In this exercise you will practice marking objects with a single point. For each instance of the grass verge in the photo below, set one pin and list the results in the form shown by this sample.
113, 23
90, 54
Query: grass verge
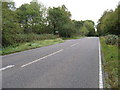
110, 64
29, 45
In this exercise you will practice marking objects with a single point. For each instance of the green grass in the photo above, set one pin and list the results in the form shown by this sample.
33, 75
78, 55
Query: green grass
110, 65
34, 44
29, 45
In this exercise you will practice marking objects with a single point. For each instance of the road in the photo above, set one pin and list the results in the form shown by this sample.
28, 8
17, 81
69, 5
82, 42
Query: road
72, 64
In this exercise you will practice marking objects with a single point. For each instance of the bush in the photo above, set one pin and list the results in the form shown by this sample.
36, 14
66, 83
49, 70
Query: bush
20, 38
111, 39
31, 37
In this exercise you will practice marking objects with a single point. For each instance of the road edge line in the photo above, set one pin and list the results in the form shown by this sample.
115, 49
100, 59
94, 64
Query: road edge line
100, 68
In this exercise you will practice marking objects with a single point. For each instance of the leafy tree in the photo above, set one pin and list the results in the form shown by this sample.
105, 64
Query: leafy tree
10, 25
67, 30
32, 17
84, 31
101, 27
35, 18
109, 22
57, 17
78, 26
90, 27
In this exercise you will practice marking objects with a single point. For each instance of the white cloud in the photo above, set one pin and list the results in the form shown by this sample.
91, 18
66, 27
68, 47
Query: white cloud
80, 9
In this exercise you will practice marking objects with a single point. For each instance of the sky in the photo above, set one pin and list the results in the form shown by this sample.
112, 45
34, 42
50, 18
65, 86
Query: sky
80, 9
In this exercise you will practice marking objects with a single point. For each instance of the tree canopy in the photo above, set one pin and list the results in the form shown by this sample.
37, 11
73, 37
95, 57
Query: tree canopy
109, 22
36, 18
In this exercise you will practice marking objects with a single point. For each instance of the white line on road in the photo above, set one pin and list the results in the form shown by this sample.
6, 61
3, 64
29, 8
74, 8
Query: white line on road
4, 68
100, 69
74, 44
42, 58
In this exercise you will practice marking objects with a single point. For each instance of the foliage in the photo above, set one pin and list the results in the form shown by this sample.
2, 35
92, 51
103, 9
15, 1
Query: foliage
34, 21
111, 39
109, 22
59, 20
67, 30
110, 64
21, 38
10, 25
84, 31
32, 17
108, 26
90, 27
85, 28
77, 26
29, 45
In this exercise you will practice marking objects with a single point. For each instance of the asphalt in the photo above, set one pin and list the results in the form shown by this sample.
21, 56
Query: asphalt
72, 64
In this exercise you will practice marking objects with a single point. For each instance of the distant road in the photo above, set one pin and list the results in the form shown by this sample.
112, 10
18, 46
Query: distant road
72, 64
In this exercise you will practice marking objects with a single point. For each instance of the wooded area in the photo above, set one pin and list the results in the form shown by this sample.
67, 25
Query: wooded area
30, 21
109, 23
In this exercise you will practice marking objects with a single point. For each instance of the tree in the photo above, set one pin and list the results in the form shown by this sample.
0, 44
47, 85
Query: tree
90, 27
59, 18
32, 17
67, 30
78, 26
109, 22
84, 31
10, 25
36, 19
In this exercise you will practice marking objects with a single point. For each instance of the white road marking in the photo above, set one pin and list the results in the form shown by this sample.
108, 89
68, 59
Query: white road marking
42, 58
74, 44
100, 69
4, 68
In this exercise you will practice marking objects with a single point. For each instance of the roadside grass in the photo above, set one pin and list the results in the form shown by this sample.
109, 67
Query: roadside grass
29, 45
34, 44
110, 64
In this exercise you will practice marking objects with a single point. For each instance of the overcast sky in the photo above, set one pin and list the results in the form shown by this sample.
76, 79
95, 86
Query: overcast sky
80, 9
